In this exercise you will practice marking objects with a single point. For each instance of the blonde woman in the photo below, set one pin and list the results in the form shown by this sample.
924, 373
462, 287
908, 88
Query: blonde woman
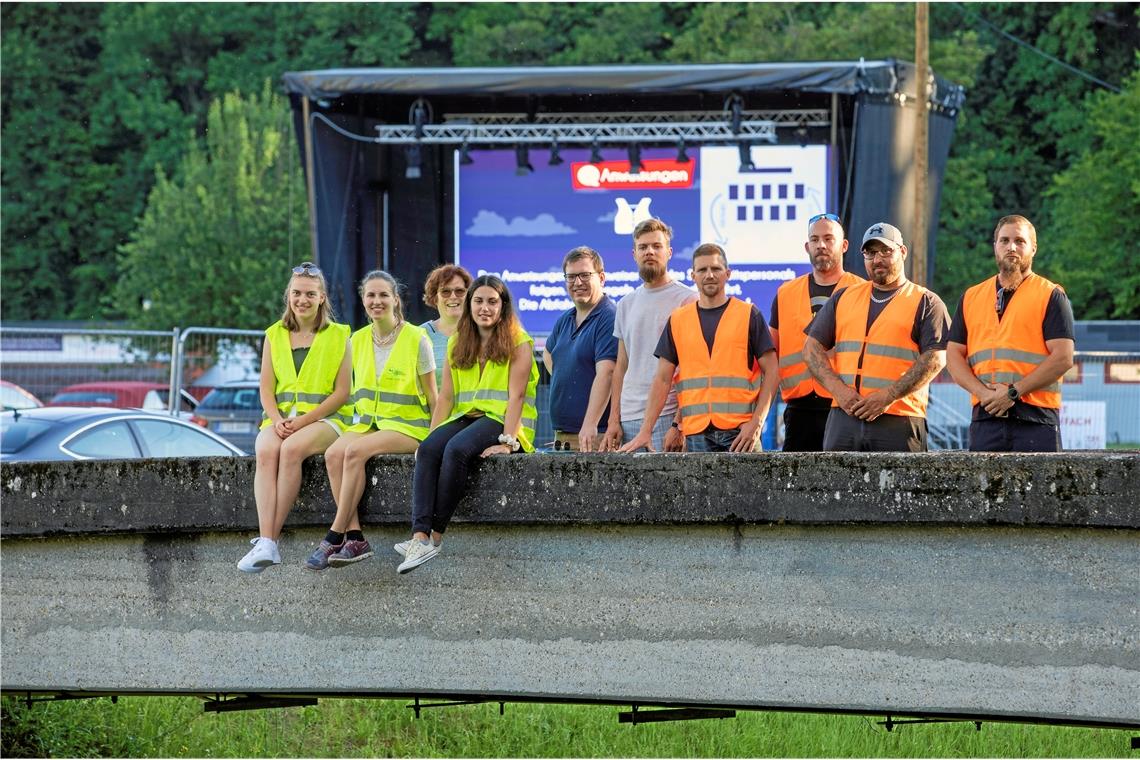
394, 391
305, 378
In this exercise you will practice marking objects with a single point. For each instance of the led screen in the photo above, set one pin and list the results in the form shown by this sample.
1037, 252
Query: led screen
519, 226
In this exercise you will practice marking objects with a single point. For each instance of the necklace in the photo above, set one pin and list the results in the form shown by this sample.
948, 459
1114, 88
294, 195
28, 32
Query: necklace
387, 339
884, 300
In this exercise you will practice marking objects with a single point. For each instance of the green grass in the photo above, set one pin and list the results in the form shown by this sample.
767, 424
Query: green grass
178, 727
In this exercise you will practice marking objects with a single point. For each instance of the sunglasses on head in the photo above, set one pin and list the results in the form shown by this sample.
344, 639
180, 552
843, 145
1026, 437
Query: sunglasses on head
307, 267
817, 217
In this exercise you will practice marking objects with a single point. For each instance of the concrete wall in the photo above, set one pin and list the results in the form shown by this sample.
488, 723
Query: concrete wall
1001, 586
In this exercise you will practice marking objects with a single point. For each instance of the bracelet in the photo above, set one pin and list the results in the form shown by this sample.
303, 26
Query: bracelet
510, 441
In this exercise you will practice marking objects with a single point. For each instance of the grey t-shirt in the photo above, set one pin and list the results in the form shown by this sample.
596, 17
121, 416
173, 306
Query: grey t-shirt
641, 316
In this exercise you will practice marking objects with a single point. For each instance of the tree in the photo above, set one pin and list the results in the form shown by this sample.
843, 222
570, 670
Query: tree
214, 244
1090, 242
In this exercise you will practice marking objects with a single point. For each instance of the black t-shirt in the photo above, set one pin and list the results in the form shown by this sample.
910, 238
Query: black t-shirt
759, 339
817, 297
1058, 323
931, 320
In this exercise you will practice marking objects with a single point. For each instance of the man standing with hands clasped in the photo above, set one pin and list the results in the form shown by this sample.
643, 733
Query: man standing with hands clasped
722, 353
1010, 354
889, 336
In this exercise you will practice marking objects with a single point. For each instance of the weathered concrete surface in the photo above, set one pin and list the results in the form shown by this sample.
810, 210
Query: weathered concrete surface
1070, 489
1009, 622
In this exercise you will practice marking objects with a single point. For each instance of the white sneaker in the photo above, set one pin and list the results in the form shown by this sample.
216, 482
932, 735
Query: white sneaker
263, 554
402, 547
417, 554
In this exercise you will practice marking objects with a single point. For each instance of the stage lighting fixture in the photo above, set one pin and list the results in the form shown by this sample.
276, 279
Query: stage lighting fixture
555, 158
415, 159
735, 106
522, 161
465, 157
634, 152
682, 156
746, 164
596, 153
802, 135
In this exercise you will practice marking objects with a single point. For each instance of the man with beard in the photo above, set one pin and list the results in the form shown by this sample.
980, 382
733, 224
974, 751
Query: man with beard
724, 360
580, 355
640, 317
1011, 354
794, 307
889, 336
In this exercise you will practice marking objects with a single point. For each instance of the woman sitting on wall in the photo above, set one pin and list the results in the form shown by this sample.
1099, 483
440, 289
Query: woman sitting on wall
486, 406
305, 377
444, 290
393, 388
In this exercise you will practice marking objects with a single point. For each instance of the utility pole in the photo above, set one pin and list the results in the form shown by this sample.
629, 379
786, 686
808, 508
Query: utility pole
918, 253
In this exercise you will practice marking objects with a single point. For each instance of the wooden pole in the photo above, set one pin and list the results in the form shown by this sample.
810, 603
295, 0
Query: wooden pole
310, 182
918, 251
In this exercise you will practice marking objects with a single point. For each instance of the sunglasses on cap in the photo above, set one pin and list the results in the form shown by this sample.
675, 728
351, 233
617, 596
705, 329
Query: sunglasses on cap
817, 217
308, 268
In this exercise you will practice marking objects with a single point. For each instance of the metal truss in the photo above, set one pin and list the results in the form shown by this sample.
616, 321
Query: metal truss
565, 134
803, 117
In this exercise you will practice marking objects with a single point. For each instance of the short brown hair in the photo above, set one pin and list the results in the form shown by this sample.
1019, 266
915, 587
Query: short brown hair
652, 225
583, 252
1017, 219
439, 277
710, 249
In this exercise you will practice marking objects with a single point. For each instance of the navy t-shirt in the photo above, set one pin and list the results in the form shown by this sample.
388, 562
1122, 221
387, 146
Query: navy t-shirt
575, 351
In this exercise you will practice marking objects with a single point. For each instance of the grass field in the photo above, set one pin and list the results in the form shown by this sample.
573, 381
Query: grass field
178, 727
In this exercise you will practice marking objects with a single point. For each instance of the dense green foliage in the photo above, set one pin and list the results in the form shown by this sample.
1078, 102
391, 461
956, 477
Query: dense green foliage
96, 98
178, 727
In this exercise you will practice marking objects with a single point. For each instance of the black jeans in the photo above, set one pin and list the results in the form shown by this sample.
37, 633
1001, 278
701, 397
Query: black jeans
442, 463
1010, 434
888, 432
803, 427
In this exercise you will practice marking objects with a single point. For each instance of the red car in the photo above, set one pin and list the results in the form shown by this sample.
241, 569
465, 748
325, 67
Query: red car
120, 394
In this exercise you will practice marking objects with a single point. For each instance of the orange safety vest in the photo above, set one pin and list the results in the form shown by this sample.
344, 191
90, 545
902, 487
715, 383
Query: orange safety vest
1005, 351
887, 350
720, 387
793, 304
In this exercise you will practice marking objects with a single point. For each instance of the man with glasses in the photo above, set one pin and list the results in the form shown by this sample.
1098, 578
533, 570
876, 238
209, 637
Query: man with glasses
1011, 354
889, 341
794, 307
641, 316
580, 355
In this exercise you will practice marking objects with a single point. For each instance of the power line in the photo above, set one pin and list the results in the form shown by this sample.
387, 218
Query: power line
1039, 52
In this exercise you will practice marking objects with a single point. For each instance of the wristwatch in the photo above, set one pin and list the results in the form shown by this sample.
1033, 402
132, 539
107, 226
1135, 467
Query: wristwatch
675, 425
1012, 393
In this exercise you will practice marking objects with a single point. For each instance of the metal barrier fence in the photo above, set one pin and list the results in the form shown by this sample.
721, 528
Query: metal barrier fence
1103, 389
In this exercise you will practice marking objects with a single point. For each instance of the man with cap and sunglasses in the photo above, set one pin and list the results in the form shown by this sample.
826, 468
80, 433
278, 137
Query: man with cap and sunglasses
793, 309
889, 341
1011, 354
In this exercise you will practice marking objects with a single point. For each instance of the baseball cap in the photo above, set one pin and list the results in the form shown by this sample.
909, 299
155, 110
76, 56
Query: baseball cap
884, 233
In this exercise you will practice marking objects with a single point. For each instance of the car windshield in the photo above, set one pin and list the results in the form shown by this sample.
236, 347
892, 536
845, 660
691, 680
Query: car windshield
231, 398
16, 432
88, 398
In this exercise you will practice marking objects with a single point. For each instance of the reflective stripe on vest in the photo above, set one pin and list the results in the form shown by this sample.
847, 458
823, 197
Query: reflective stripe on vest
887, 350
718, 387
305, 390
489, 392
395, 400
1006, 351
793, 306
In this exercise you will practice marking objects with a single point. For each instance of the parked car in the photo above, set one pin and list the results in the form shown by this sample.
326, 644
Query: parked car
121, 394
13, 396
61, 433
233, 411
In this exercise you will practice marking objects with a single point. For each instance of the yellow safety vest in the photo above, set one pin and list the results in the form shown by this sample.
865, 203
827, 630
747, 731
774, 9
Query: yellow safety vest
305, 390
488, 392
394, 401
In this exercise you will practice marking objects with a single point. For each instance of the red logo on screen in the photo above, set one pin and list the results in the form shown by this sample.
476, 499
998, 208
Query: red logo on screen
656, 173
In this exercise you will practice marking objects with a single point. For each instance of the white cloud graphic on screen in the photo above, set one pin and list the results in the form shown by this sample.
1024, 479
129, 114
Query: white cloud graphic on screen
489, 224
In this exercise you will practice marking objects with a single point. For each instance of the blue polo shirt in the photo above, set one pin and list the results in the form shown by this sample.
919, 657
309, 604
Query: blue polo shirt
575, 350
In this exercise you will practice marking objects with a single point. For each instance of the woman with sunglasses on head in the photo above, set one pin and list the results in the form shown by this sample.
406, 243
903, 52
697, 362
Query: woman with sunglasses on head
305, 378
393, 388
486, 407
444, 291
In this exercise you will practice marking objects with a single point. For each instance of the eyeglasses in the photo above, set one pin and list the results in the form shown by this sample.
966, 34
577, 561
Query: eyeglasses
308, 268
872, 255
817, 217
452, 292
582, 277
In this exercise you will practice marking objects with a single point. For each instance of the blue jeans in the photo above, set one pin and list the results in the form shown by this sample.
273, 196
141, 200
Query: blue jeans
630, 428
715, 439
443, 462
